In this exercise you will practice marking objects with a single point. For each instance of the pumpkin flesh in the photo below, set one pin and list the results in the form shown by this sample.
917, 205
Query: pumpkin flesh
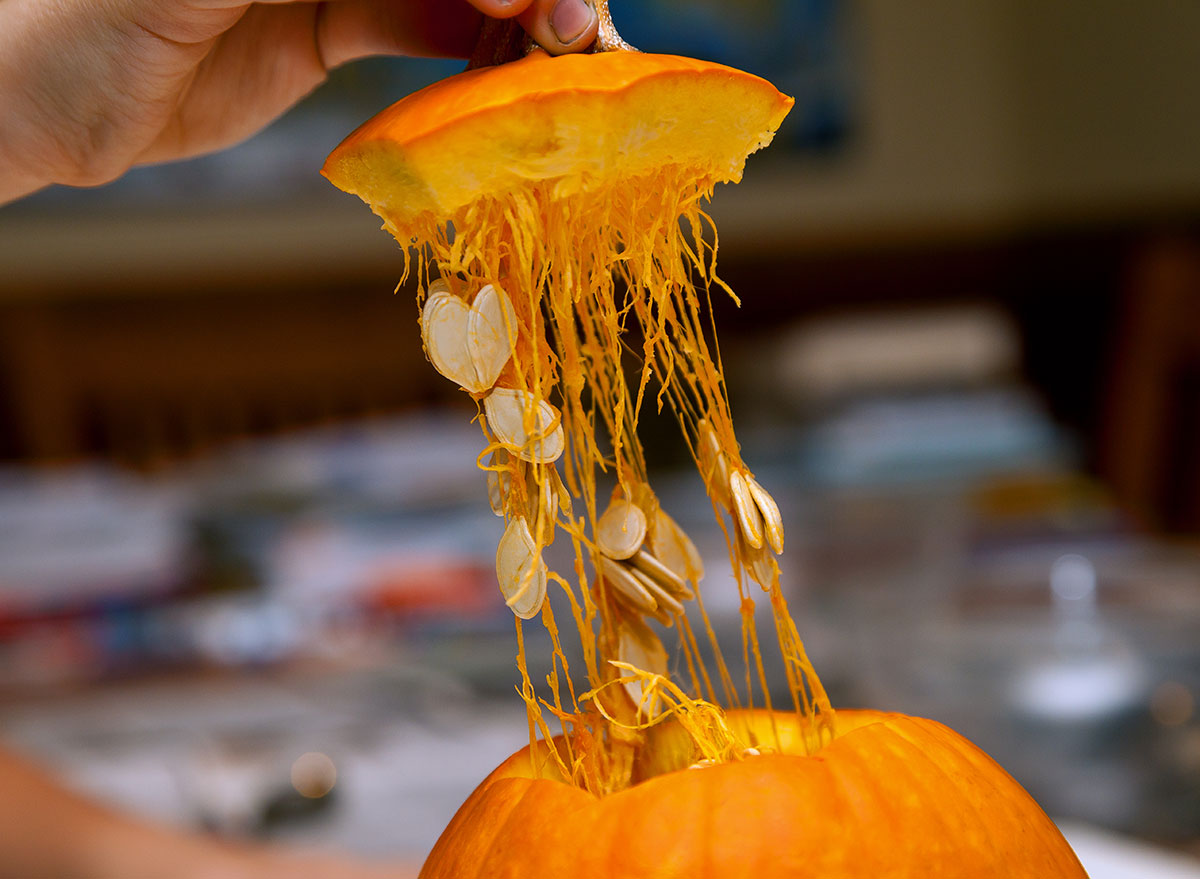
577, 121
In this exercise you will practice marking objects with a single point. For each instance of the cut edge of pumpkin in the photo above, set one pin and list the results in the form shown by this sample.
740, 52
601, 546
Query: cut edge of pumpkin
668, 748
704, 117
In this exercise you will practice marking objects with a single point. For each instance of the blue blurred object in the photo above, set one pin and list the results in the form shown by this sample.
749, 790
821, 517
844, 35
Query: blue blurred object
934, 436
800, 45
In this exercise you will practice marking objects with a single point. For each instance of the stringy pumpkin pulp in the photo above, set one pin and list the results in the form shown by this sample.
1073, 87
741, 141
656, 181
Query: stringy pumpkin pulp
551, 210
576, 185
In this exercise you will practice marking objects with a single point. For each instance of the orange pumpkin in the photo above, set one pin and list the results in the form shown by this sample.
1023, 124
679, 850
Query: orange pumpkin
544, 177
581, 121
890, 796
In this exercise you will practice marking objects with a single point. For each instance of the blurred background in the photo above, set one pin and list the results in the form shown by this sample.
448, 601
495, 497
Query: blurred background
246, 560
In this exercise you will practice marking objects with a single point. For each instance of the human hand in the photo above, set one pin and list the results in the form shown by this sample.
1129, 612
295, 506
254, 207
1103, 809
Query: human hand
227, 861
48, 830
88, 89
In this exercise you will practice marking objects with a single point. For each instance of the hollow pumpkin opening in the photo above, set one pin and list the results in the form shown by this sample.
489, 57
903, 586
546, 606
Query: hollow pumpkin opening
890, 795
670, 746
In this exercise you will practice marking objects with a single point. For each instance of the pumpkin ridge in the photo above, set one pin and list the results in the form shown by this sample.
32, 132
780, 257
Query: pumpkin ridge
1004, 788
466, 821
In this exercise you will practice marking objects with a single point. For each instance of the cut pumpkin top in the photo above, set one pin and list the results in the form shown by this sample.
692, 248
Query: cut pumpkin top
582, 121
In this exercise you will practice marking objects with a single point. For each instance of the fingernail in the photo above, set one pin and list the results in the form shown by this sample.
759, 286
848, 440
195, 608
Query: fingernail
569, 19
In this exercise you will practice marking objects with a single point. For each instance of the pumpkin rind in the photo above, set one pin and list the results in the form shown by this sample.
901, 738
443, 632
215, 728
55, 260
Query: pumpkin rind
891, 796
577, 119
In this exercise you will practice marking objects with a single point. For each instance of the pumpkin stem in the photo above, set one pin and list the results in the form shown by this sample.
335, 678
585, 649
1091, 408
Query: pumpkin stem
607, 38
500, 40
504, 40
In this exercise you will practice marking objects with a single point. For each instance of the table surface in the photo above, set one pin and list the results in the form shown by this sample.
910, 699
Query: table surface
1108, 856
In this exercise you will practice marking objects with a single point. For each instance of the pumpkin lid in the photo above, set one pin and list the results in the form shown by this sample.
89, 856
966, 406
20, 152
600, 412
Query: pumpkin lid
582, 121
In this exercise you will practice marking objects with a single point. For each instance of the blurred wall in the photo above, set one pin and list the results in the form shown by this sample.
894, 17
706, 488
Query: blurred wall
978, 125
997, 113
1108, 101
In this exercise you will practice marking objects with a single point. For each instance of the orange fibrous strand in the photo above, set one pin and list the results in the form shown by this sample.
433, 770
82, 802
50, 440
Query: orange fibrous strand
703, 721
587, 272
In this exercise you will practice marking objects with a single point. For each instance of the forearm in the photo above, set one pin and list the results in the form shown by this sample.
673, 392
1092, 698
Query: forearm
48, 831
16, 179
71, 93
14, 184
51, 833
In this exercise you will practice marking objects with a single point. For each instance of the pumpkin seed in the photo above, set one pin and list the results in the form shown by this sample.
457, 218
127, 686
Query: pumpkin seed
491, 334
621, 531
644, 563
627, 586
444, 331
468, 344
714, 466
641, 648
663, 599
748, 517
772, 520
509, 411
520, 570
543, 501
672, 547
759, 562
499, 482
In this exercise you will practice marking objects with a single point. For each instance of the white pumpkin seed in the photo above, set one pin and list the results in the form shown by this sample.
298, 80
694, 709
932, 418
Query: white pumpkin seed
499, 482
714, 466
772, 520
509, 411
760, 563
641, 648
444, 331
667, 579
746, 510
627, 586
491, 333
543, 499
664, 601
670, 545
520, 570
621, 531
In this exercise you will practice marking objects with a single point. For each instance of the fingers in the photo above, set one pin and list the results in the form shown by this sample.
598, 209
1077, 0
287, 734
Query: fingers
501, 8
351, 29
560, 26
